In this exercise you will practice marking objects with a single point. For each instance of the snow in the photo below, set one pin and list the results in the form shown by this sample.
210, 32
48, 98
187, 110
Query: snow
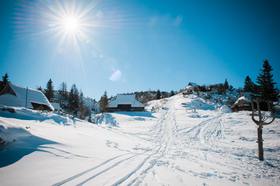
225, 109
125, 99
170, 144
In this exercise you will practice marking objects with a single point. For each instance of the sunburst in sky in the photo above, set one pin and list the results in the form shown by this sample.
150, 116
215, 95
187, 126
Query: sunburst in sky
123, 46
70, 21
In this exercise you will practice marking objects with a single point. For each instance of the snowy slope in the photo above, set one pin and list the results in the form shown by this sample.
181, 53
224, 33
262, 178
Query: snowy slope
173, 145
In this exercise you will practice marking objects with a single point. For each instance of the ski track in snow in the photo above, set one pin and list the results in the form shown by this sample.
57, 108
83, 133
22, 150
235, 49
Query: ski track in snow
202, 145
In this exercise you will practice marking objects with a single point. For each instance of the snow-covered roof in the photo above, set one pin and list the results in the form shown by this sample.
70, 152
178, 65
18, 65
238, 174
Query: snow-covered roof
32, 96
242, 98
125, 99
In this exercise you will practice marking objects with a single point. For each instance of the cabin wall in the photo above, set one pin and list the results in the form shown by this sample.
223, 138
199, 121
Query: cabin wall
116, 109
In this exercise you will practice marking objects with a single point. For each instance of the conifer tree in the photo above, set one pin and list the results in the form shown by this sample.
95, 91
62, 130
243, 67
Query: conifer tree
103, 102
158, 94
5, 78
40, 88
249, 85
63, 95
266, 85
226, 85
49, 92
82, 108
73, 100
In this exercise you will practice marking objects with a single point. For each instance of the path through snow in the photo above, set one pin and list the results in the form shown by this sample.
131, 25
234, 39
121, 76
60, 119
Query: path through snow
174, 147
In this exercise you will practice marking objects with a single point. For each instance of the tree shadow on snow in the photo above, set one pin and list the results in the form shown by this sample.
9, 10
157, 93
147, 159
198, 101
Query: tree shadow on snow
19, 144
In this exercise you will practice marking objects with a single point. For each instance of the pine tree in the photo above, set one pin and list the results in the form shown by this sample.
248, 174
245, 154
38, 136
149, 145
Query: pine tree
63, 95
249, 85
49, 92
266, 85
172, 93
73, 100
158, 94
5, 79
82, 108
226, 85
40, 88
103, 102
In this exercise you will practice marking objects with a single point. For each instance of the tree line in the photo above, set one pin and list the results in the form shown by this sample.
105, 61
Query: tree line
72, 101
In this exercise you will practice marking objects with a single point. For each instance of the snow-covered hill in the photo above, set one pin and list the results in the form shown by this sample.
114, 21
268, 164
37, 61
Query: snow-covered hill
178, 141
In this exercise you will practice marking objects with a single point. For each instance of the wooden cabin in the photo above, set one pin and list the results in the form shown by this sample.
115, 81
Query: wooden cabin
16, 96
242, 103
125, 102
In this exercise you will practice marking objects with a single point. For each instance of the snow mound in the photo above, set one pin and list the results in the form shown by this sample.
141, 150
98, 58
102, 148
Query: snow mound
199, 104
156, 105
105, 119
11, 134
28, 114
225, 109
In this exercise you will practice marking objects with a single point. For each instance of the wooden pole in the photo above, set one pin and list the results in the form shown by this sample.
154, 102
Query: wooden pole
260, 143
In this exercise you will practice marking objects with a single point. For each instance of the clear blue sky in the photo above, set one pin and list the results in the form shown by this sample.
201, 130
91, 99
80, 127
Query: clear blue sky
141, 44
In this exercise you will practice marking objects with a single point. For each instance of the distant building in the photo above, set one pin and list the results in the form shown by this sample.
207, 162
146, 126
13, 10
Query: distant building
190, 88
242, 103
12, 95
125, 102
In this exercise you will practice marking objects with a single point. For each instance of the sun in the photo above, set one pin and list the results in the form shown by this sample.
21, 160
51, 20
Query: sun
69, 21
70, 24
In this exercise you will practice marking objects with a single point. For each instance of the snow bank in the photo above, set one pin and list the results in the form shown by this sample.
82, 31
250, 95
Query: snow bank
28, 114
11, 134
225, 109
105, 119
199, 104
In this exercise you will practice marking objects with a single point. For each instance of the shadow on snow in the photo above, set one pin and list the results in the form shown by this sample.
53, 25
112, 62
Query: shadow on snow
22, 144
137, 114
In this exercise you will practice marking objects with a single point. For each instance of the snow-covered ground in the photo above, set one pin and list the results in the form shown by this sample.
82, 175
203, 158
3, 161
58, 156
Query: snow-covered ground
184, 141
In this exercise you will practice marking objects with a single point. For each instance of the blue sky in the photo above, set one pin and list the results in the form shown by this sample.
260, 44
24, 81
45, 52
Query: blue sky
141, 44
